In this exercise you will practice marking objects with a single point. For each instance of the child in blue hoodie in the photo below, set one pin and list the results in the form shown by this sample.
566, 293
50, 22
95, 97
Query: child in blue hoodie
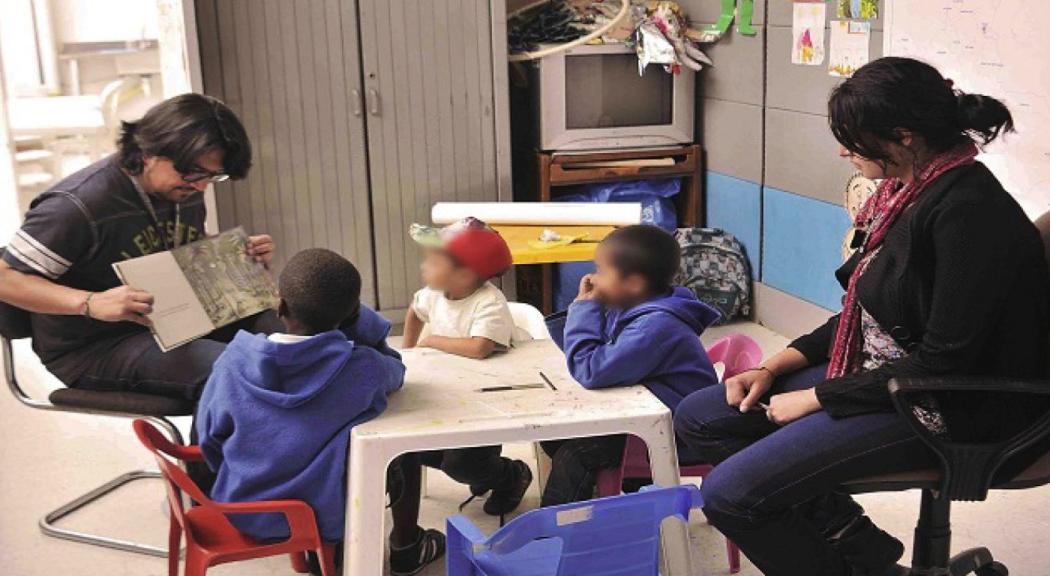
275, 417
628, 325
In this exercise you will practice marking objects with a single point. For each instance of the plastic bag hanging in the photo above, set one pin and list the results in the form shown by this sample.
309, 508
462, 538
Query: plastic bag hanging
661, 37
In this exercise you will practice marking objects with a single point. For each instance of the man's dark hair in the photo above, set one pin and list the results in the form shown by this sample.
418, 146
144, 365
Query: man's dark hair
320, 288
647, 251
181, 129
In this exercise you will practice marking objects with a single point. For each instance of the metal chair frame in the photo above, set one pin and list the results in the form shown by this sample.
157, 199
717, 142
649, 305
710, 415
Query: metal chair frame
48, 522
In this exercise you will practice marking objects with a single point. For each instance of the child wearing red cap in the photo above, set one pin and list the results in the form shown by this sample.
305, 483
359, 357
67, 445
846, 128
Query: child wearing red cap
463, 313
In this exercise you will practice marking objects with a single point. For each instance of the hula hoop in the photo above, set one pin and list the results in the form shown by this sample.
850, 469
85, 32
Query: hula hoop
625, 6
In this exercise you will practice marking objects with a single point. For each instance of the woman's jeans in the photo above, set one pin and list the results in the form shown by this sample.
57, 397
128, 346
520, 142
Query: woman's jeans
772, 490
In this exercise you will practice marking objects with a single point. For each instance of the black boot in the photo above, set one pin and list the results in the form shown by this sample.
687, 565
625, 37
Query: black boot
476, 491
506, 497
866, 548
870, 550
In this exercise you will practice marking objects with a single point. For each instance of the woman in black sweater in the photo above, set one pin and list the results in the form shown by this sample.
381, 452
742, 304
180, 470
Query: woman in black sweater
949, 278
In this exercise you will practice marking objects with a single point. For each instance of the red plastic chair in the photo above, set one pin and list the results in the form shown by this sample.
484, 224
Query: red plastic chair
210, 537
738, 353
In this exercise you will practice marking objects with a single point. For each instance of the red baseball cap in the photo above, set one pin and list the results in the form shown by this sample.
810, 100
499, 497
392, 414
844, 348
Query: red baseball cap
471, 242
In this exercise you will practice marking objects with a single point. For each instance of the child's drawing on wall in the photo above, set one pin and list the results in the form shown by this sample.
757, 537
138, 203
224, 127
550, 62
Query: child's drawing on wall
808, 33
858, 9
849, 47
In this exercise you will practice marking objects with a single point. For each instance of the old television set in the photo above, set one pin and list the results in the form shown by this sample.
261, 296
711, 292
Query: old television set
592, 98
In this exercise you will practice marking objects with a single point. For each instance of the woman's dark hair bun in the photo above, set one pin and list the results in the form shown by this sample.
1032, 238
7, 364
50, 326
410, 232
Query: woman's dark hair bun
984, 117
894, 94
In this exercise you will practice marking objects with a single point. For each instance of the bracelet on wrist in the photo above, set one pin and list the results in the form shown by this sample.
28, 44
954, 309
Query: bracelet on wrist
86, 312
759, 368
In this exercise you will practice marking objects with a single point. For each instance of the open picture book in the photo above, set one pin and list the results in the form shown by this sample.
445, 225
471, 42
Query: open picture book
200, 287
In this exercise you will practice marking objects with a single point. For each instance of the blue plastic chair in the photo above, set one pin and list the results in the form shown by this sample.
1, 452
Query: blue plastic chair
616, 536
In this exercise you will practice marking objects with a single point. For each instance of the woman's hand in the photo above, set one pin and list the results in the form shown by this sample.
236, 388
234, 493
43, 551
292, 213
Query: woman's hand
790, 406
260, 248
744, 389
121, 304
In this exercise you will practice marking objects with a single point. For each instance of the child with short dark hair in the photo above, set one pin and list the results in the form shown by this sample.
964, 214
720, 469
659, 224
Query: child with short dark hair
275, 418
628, 325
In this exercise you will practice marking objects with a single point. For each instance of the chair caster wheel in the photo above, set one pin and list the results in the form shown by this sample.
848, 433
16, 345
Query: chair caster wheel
993, 569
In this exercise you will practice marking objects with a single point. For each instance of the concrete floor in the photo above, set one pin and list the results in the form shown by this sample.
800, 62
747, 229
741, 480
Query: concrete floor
48, 458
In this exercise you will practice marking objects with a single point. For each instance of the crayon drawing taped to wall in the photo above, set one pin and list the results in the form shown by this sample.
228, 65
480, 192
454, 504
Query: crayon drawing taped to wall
807, 32
858, 9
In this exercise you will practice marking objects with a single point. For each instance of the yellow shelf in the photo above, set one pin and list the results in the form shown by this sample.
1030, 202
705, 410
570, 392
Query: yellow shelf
518, 238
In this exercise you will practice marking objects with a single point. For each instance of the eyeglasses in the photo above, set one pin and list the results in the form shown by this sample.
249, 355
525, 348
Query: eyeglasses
198, 174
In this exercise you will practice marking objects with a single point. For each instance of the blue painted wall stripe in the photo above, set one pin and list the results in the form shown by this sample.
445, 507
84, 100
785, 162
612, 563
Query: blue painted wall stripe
735, 205
802, 246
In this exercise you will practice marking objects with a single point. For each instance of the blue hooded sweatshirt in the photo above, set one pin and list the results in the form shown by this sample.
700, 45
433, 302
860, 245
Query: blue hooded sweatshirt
656, 343
275, 418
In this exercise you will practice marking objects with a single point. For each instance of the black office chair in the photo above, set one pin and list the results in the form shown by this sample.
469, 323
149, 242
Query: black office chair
14, 325
966, 470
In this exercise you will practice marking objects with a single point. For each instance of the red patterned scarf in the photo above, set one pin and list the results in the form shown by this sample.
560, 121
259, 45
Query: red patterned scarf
877, 215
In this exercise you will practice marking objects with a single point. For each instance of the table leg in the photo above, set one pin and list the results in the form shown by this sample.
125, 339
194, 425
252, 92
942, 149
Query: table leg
663, 458
365, 506
663, 455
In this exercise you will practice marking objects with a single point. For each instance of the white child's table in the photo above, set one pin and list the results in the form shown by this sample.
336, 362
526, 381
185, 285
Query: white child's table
440, 407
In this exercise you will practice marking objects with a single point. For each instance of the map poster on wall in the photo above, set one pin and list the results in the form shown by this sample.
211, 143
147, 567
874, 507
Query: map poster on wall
807, 33
848, 47
997, 48
199, 287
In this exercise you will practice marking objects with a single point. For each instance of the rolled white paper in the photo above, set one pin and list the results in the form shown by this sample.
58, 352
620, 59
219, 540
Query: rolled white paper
540, 213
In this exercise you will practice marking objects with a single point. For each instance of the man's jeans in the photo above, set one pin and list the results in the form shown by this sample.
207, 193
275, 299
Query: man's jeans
763, 491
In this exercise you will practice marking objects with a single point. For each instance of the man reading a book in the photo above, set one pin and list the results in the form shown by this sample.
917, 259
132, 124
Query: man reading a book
88, 329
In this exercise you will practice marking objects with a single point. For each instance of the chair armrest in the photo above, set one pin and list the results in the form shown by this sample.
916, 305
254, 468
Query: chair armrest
298, 514
968, 469
187, 453
968, 384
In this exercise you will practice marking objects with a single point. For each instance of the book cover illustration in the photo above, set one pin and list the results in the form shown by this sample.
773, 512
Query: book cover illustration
229, 284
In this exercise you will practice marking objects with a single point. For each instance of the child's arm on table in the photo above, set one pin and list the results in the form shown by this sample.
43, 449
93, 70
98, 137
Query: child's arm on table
367, 328
393, 375
490, 327
413, 328
385, 376
595, 363
477, 347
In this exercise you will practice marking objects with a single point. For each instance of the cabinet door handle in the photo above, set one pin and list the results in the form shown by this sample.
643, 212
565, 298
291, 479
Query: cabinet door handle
373, 102
355, 97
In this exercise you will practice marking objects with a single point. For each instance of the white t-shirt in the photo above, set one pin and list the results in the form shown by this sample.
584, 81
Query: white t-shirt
484, 313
